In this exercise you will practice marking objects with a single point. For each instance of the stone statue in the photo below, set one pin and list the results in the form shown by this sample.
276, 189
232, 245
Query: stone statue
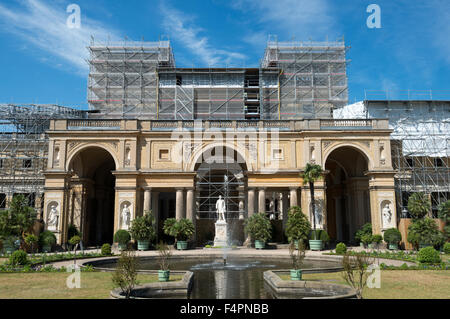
53, 217
241, 210
221, 209
387, 216
125, 217
318, 214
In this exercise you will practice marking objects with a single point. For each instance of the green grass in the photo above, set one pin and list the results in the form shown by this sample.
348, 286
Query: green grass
94, 285
398, 284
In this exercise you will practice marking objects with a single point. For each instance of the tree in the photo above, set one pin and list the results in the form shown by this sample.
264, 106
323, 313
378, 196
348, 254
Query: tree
125, 276
297, 226
312, 173
444, 215
418, 205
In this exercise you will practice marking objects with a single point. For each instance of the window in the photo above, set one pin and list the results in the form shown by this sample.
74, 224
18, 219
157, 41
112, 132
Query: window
27, 163
277, 154
164, 154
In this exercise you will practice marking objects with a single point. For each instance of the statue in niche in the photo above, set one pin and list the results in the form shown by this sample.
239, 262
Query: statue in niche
126, 214
241, 210
318, 213
53, 217
387, 216
221, 209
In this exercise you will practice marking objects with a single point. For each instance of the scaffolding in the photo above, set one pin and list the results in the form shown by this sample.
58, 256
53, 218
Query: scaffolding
123, 77
311, 82
24, 149
420, 143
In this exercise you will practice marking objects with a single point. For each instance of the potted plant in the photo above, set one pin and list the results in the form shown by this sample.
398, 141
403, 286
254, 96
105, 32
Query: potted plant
312, 173
366, 239
182, 230
122, 237
259, 228
164, 254
376, 241
297, 225
392, 237
320, 234
143, 231
297, 259
365, 229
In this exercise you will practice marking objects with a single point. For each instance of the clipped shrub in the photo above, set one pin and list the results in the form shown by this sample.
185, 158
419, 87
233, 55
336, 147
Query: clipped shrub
297, 225
447, 248
106, 249
258, 226
428, 255
47, 238
392, 236
75, 240
341, 249
377, 239
366, 229
320, 234
122, 237
18, 258
366, 239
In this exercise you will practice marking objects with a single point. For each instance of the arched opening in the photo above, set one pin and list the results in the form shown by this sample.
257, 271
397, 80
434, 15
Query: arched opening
91, 206
220, 172
348, 200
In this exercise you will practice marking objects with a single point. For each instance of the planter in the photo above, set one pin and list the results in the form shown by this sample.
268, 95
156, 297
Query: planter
143, 244
393, 246
46, 248
370, 246
163, 275
181, 245
296, 274
315, 244
259, 244
122, 246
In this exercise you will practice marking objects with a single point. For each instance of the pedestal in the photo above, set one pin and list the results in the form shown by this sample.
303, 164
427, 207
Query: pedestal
221, 238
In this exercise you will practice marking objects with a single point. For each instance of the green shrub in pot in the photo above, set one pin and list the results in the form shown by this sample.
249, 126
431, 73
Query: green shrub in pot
259, 228
142, 230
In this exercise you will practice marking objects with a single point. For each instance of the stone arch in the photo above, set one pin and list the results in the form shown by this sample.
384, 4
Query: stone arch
199, 151
79, 148
363, 150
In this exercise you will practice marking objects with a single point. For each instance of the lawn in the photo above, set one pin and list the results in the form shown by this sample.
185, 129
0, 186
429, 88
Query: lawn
94, 285
399, 284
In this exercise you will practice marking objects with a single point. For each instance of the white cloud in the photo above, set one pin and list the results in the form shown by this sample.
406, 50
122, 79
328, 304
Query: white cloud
45, 27
302, 19
182, 28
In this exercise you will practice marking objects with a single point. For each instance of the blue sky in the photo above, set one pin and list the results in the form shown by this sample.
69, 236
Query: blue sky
43, 61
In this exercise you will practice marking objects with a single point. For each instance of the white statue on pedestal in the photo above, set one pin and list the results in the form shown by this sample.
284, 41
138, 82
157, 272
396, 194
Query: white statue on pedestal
53, 217
241, 210
125, 217
387, 216
221, 209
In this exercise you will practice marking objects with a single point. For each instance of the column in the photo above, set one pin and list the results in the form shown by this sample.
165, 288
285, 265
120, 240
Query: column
293, 196
284, 207
147, 199
190, 205
179, 208
262, 200
251, 202
156, 214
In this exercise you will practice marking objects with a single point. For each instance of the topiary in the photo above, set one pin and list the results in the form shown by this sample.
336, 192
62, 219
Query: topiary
377, 239
47, 238
122, 237
18, 258
75, 240
366, 229
297, 225
447, 248
366, 239
428, 255
341, 249
72, 231
258, 226
321, 234
392, 236
106, 249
